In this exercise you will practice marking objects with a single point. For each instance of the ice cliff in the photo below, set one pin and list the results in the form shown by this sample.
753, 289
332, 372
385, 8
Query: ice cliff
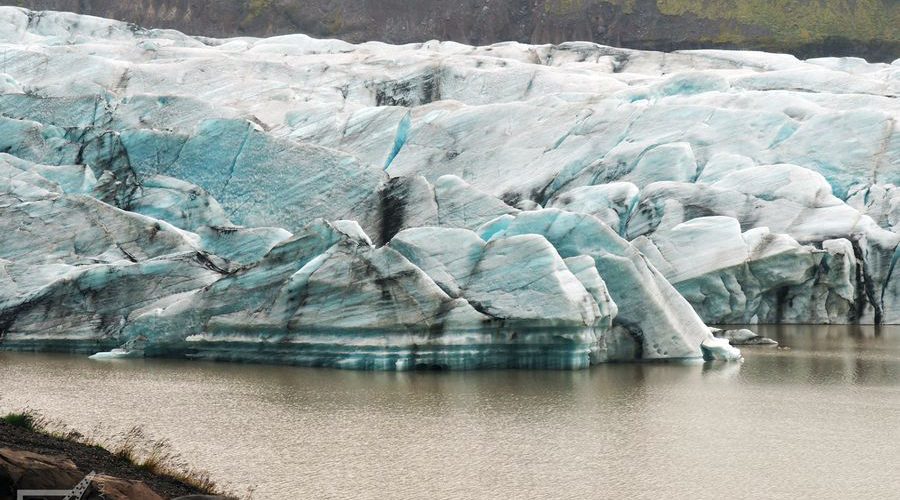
432, 205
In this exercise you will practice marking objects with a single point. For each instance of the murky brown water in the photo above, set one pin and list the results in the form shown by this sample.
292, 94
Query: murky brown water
821, 420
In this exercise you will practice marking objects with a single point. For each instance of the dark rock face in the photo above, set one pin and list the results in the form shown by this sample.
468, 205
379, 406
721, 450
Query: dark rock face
33, 460
807, 28
23, 470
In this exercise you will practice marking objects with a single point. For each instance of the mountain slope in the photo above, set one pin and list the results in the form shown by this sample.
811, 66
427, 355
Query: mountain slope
807, 28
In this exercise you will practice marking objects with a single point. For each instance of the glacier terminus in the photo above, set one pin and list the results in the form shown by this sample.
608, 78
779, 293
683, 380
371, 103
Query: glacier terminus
433, 205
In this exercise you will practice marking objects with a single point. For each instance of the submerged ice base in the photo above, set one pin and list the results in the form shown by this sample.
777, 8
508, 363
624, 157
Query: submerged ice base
560, 350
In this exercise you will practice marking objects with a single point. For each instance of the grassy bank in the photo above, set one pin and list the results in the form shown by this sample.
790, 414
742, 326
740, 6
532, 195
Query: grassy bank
130, 455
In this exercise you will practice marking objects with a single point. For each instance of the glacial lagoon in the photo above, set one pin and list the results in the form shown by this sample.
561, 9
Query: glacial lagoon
819, 419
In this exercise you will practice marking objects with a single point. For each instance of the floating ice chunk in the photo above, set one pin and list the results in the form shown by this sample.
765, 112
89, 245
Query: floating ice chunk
131, 349
115, 354
741, 336
716, 349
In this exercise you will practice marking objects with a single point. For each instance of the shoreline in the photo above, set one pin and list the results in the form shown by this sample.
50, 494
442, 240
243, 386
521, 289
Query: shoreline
31, 457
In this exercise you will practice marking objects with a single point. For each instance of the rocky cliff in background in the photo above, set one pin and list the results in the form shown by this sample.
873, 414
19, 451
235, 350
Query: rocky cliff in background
807, 28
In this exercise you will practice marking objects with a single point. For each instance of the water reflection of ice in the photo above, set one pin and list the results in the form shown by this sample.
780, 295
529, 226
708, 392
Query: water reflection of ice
612, 431
722, 369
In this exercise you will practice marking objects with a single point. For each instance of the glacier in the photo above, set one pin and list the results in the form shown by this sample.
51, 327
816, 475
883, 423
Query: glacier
433, 205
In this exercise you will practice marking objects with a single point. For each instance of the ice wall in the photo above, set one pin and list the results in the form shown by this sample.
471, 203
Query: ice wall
376, 206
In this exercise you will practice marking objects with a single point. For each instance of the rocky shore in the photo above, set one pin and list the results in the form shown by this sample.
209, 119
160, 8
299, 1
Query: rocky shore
34, 460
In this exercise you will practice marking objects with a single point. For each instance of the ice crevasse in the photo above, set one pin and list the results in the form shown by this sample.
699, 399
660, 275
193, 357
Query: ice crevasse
432, 205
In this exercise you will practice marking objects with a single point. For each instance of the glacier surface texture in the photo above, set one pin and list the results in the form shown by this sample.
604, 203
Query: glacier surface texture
433, 205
